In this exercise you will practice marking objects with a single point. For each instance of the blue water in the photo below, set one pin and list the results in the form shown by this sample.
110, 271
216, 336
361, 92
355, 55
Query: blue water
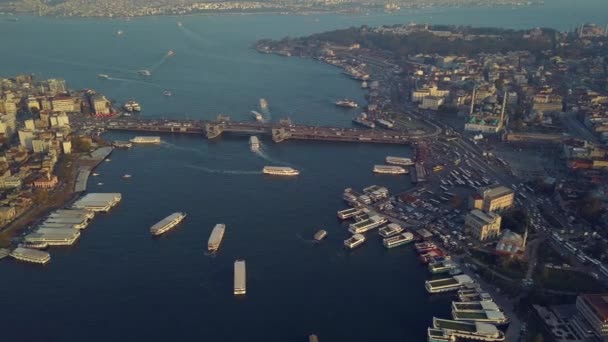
119, 284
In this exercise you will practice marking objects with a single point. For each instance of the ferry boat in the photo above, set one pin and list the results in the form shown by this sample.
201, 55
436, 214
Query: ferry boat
363, 121
398, 240
441, 266
146, 140
423, 247
389, 169
257, 116
122, 144
263, 104
31, 255
240, 278
385, 123
103, 76
468, 331
132, 106
320, 235
95, 174
399, 161
485, 316
254, 143
372, 222
475, 306
364, 85
144, 72
167, 93
354, 241
475, 295
167, 223
390, 230
34, 245
54, 236
346, 103
215, 239
280, 171
429, 256
447, 284
348, 213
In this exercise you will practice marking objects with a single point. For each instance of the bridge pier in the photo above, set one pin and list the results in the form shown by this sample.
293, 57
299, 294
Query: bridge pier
280, 134
213, 130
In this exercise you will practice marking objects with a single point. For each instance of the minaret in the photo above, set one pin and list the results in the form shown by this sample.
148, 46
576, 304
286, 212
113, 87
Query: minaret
502, 111
523, 247
473, 101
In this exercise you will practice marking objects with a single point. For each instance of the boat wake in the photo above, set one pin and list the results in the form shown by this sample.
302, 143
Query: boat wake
158, 64
211, 254
308, 241
223, 172
260, 152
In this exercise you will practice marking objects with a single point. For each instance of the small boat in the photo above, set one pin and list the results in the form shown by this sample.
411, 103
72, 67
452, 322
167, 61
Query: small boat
108, 160
95, 174
320, 235
103, 76
179, 24
100, 183
144, 72
167, 93
126, 176
119, 32
170, 53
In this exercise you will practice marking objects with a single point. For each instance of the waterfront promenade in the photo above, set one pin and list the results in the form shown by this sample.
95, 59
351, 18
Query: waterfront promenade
281, 131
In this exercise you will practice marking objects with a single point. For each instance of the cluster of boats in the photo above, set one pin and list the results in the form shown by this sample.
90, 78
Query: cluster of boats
397, 166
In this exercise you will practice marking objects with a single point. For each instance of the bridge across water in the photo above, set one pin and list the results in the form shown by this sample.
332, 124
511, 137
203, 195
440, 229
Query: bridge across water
281, 131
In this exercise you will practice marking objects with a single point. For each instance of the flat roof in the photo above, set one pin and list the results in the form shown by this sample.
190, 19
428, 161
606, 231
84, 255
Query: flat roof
496, 191
599, 303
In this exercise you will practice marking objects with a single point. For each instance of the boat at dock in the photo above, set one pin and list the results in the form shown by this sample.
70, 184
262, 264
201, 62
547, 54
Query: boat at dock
372, 222
390, 169
441, 266
390, 230
346, 103
240, 278
354, 241
34, 245
215, 239
257, 116
423, 247
385, 123
254, 143
122, 144
398, 240
448, 284
320, 235
348, 213
145, 140
167, 223
399, 161
469, 331
31, 255
364, 121
280, 171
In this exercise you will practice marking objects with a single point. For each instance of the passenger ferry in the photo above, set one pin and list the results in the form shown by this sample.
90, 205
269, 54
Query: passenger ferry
424, 247
280, 171
398, 240
31, 255
215, 239
240, 278
354, 241
389, 169
34, 245
390, 230
441, 266
320, 235
385, 123
348, 213
346, 103
167, 223
254, 143
447, 284
488, 313
468, 331
372, 222
145, 140
399, 161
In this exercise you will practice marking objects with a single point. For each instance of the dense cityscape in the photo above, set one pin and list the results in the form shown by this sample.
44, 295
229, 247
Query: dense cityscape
504, 199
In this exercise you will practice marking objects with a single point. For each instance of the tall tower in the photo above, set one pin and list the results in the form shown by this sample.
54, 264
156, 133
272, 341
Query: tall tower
502, 110
473, 100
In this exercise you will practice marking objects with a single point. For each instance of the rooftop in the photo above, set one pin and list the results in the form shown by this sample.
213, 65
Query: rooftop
495, 192
599, 303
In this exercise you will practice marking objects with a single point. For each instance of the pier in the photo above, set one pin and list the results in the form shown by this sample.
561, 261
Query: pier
281, 131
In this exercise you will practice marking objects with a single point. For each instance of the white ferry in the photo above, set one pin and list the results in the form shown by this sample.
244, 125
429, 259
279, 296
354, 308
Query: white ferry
354, 241
389, 169
257, 116
366, 225
348, 213
399, 161
444, 266
320, 235
146, 140
215, 239
144, 72
240, 278
167, 223
390, 230
447, 284
254, 143
263, 104
280, 171
469, 331
398, 240
346, 103
31, 255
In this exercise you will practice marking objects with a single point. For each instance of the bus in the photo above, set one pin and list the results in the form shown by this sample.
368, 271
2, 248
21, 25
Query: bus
443, 188
522, 195
448, 193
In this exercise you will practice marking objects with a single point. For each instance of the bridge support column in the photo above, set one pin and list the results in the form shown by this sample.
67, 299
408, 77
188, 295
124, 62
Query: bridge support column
213, 131
280, 134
